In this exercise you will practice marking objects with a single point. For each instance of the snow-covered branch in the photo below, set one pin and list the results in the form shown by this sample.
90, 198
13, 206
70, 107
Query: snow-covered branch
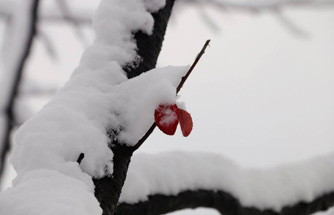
99, 113
108, 189
155, 186
219, 200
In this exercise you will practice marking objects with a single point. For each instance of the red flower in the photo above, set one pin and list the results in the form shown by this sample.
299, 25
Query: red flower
167, 117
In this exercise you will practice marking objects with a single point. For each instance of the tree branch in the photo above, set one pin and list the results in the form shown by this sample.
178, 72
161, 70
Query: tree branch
222, 201
69, 17
9, 108
108, 189
192, 66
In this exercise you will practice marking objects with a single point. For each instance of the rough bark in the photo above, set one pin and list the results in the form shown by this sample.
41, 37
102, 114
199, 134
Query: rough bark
108, 189
9, 109
149, 46
221, 201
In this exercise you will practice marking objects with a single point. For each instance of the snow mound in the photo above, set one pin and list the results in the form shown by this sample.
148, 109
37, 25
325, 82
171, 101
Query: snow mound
49, 192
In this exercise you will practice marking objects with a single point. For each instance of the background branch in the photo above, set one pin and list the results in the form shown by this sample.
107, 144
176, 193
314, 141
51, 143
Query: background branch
8, 110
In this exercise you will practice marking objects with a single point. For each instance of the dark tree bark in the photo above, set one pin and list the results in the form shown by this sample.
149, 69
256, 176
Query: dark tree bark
9, 109
108, 189
223, 202
149, 46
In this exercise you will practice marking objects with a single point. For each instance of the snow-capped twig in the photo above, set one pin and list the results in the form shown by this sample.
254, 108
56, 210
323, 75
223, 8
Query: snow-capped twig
183, 80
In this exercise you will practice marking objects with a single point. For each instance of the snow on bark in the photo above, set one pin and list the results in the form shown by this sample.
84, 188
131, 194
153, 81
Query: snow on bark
97, 98
174, 172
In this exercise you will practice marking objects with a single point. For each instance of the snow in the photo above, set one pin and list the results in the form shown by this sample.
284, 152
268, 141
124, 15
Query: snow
168, 117
49, 192
96, 104
273, 188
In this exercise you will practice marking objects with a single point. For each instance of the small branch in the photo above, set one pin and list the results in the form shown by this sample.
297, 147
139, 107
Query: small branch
288, 24
48, 44
70, 18
143, 139
183, 80
192, 66
81, 156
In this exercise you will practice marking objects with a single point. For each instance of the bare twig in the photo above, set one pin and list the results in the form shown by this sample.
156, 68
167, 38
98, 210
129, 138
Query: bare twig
48, 45
81, 157
70, 18
287, 23
183, 80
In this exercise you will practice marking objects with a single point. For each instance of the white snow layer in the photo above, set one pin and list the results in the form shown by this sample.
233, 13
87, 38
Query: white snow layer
98, 97
174, 172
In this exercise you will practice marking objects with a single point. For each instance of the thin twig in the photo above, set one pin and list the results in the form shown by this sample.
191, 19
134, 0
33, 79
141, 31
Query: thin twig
68, 16
192, 66
81, 157
183, 80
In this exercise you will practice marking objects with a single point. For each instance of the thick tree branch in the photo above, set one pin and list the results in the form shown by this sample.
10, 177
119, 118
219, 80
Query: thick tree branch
108, 189
149, 46
9, 109
221, 201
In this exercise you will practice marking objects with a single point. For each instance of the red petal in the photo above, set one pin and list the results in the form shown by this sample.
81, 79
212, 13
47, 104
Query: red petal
186, 122
166, 118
